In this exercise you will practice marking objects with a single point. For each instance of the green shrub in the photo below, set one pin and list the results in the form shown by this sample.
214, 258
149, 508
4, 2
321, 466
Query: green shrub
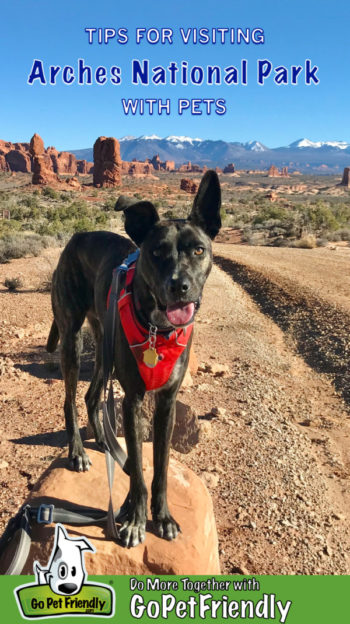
50, 192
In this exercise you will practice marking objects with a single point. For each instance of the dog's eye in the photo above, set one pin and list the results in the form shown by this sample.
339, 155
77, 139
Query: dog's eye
198, 251
62, 570
74, 571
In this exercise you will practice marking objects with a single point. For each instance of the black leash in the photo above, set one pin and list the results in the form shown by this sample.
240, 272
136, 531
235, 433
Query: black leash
16, 540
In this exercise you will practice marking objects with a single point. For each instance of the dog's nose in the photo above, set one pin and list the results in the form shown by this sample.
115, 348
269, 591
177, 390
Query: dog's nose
67, 588
179, 285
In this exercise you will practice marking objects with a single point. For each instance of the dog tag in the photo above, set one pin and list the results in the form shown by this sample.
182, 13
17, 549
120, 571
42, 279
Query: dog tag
150, 357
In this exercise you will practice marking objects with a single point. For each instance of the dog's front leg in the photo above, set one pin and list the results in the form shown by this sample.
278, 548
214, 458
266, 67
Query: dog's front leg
163, 425
133, 530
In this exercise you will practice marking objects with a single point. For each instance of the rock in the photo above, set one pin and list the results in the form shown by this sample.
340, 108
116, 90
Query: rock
211, 479
189, 186
187, 381
220, 412
218, 370
84, 167
107, 162
186, 429
195, 550
3, 464
42, 172
189, 167
193, 362
73, 182
18, 160
169, 165
206, 428
62, 162
346, 177
273, 172
229, 168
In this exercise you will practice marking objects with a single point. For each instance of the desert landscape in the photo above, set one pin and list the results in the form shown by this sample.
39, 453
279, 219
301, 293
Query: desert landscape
271, 389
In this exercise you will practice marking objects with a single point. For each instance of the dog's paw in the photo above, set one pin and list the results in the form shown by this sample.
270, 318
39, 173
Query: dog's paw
80, 463
167, 527
132, 533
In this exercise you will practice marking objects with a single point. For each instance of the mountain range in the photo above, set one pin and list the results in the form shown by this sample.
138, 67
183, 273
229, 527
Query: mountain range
302, 155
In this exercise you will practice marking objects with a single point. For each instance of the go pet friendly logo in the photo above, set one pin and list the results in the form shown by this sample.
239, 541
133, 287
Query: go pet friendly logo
61, 588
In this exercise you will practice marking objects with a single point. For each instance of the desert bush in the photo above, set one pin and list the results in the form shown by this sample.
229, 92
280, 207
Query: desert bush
18, 246
50, 192
321, 242
306, 242
339, 235
13, 283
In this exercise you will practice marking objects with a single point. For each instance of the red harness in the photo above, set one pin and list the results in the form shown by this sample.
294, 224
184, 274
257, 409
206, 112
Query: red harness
168, 347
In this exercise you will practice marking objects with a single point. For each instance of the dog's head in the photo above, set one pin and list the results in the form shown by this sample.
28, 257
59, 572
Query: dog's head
66, 573
176, 255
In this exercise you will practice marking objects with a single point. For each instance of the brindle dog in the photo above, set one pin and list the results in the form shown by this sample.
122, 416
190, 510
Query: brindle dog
174, 262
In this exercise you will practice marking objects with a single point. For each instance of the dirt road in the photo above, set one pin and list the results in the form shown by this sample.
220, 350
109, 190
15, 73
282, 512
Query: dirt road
275, 456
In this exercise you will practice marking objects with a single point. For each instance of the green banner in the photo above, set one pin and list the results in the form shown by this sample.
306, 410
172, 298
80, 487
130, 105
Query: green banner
126, 599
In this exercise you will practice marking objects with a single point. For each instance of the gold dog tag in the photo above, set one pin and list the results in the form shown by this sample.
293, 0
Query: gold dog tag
150, 357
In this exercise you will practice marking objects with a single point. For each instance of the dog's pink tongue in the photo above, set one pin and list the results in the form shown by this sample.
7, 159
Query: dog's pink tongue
180, 314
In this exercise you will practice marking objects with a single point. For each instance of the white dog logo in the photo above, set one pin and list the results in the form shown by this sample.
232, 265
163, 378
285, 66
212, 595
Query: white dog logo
65, 572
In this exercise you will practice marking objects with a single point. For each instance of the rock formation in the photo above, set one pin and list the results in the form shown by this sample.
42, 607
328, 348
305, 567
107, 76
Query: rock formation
137, 168
84, 167
230, 168
42, 171
189, 186
190, 168
346, 177
62, 162
273, 172
156, 162
169, 165
107, 162
194, 551
15, 157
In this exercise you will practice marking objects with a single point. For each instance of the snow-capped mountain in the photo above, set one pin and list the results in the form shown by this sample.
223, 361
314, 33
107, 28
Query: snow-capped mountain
303, 154
302, 143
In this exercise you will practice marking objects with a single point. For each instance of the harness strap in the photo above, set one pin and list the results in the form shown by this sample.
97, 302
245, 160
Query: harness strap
114, 451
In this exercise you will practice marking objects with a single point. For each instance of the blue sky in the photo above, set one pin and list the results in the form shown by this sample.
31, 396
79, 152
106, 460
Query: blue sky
72, 116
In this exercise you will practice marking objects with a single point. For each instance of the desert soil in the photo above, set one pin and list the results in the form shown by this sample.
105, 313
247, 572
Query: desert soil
275, 446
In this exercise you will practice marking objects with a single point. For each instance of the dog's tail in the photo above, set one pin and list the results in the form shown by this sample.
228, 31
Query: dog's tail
53, 338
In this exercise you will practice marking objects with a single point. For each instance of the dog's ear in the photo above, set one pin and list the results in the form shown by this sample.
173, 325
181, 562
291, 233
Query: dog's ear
139, 219
124, 202
207, 203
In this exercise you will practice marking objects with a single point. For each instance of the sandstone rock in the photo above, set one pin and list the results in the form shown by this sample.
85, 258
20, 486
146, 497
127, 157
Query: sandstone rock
220, 412
346, 177
193, 362
4, 166
169, 165
73, 182
187, 381
186, 429
62, 162
189, 186
195, 550
42, 172
107, 162
230, 168
156, 162
18, 160
273, 172
218, 370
